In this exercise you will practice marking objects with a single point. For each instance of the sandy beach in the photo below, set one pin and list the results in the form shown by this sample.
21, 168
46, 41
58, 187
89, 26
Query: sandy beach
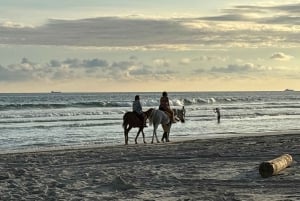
203, 169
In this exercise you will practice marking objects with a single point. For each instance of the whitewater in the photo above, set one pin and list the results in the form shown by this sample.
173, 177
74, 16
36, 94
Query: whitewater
56, 120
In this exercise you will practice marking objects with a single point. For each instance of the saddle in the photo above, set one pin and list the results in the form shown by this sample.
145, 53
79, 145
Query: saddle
141, 118
170, 116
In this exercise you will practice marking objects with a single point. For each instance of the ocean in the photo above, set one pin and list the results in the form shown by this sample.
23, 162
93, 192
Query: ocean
41, 121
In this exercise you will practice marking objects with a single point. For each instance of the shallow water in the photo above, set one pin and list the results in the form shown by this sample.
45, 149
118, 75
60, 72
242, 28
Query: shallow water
77, 119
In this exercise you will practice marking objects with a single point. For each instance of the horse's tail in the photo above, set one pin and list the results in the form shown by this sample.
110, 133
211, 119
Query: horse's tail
151, 117
124, 120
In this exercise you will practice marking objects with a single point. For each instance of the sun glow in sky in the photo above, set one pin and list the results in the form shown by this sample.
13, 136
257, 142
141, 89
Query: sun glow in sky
134, 45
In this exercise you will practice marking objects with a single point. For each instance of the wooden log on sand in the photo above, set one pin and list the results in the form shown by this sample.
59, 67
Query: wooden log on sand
273, 167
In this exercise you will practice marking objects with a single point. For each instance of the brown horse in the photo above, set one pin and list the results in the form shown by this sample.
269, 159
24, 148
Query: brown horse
131, 120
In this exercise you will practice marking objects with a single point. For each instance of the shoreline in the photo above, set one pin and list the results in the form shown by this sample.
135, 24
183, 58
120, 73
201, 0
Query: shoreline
174, 139
198, 169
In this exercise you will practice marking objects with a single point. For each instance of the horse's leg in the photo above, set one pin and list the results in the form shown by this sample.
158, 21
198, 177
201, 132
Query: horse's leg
143, 136
154, 132
166, 128
168, 133
164, 137
138, 133
125, 134
167, 137
156, 135
157, 138
126, 131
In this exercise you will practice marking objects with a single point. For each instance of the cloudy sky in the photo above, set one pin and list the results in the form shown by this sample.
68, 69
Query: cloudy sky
134, 45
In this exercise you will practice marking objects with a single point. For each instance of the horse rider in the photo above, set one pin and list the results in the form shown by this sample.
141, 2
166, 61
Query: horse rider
137, 109
165, 106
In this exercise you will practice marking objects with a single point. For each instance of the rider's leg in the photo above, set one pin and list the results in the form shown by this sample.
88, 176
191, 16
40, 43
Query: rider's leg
172, 118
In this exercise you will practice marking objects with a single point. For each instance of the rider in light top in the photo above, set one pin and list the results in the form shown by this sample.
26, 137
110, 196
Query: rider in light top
137, 108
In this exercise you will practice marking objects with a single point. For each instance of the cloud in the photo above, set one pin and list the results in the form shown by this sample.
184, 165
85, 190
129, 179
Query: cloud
75, 68
95, 63
239, 69
77, 63
248, 71
198, 71
161, 62
72, 63
280, 56
133, 57
122, 65
54, 63
27, 70
10, 24
141, 71
211, 58
236, 26
185, 61
245, 71
227, 17
278, 14
14, 74
104, 31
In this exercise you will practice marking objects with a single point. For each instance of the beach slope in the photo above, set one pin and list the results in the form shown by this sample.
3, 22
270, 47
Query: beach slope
210, 169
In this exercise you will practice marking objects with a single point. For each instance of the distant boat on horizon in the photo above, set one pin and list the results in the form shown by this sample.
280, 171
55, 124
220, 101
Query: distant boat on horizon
289, 90
55, 92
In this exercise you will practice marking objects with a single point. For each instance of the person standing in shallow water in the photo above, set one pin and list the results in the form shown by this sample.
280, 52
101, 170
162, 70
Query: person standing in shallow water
137, 108
217, 110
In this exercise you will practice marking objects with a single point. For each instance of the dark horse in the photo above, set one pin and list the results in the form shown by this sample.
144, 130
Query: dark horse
131, 120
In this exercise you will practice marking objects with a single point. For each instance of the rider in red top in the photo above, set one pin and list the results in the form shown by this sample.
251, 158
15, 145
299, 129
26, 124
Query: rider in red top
165, 106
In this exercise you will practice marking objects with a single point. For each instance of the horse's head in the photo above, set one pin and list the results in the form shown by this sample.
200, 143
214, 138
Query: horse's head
148, 113
180, 113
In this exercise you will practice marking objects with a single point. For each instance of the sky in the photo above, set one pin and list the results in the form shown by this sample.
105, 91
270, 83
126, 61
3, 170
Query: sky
149, 46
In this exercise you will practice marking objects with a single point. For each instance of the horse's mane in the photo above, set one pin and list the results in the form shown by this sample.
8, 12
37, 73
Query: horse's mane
151, 117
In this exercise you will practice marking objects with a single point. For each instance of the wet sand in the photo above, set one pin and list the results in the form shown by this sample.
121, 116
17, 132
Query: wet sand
204, 169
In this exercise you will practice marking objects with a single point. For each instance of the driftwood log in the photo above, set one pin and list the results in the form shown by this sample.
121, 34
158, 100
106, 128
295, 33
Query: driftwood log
273, 167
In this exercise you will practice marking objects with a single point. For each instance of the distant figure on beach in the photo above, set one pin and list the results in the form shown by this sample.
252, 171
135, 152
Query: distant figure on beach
217, 110
165, 106
137, 108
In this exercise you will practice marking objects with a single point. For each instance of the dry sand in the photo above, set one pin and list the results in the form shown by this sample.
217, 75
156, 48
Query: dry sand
210, 169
